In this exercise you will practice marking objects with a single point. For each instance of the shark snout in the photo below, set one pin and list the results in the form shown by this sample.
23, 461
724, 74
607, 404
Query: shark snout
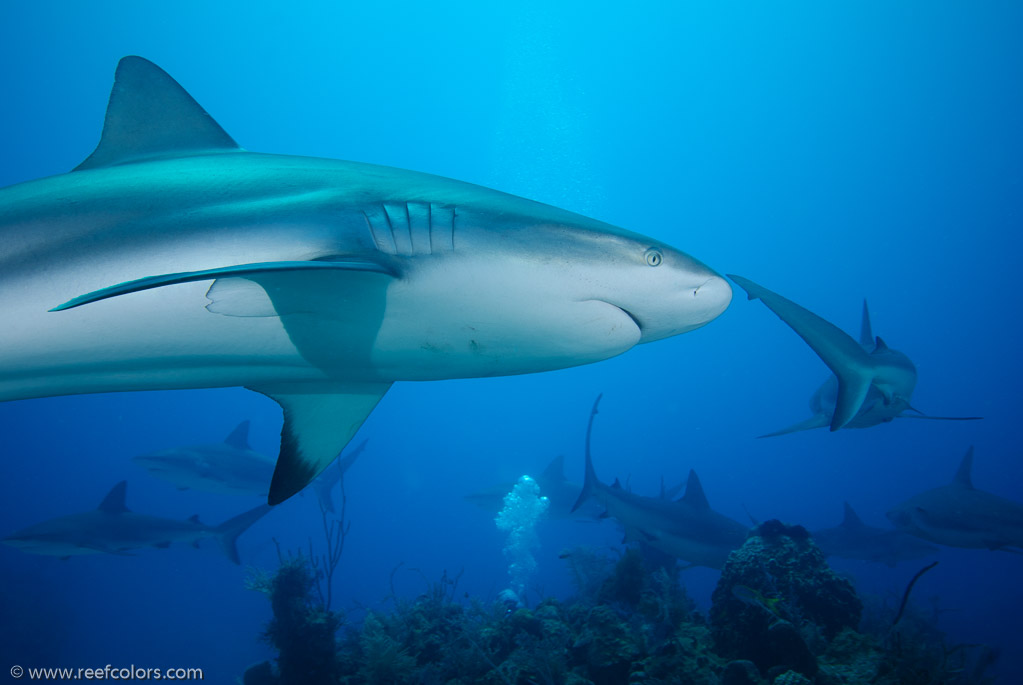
712, 297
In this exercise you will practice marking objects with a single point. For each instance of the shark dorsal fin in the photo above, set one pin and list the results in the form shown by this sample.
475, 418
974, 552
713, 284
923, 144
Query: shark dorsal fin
866, 333
555, 471
694, 496
851, 520
617, 484
239, 437
113, 503
194, 518
150, 115
879, 345
965, 467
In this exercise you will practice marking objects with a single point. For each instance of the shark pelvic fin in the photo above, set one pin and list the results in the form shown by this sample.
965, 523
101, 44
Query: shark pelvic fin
965, 467
149, 116
240, 270
852, 390
319, 420
113, 503
695, 496
239, 437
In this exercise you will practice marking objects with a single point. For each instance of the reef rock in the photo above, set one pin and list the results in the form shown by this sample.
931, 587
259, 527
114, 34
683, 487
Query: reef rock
775, 597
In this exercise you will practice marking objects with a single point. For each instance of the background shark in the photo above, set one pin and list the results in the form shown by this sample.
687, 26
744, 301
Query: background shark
113, 529
959, 515
872, 383
853, 539
233, 467
686, 528
330, 280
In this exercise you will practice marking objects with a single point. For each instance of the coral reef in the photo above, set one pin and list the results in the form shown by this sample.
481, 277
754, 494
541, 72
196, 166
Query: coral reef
302, 630
631, 622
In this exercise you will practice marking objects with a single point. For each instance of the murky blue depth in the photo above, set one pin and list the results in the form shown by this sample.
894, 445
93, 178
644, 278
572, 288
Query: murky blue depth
831, 153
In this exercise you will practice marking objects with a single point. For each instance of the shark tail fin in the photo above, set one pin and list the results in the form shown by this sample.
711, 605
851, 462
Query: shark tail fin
229, 531
836, 348
590, 482
815, 421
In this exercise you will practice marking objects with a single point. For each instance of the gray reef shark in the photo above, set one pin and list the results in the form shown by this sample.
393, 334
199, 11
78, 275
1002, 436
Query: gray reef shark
686, 528
853, 539
172, 258
872, 383
960, 515
114, 529
233, 467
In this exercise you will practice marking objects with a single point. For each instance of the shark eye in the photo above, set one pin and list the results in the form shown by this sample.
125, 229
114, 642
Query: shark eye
654, 257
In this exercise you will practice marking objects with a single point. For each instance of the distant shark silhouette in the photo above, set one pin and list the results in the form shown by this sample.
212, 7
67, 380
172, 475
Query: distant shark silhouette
686, 528
872, 383
113, 529
853, 539
559, 491
959, 515
233, 467
330, 279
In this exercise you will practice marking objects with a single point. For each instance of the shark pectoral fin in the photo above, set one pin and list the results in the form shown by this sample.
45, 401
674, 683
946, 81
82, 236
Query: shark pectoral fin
835, 347
319, 420
239, 270
852, 390
921, 415
815, 421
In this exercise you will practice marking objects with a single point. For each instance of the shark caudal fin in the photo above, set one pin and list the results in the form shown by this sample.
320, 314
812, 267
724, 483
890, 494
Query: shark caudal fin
846, 358
590, 482
228, 531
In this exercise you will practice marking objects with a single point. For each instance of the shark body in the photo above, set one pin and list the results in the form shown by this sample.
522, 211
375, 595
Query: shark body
960, 515
113, 529
230, 467
853, 539
172, 258
872, 383
686, 528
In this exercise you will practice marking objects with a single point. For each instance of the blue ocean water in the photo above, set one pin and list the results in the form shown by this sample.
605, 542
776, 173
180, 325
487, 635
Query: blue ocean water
830, 152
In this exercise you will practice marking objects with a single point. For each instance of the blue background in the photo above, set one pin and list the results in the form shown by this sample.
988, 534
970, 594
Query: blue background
830, 151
